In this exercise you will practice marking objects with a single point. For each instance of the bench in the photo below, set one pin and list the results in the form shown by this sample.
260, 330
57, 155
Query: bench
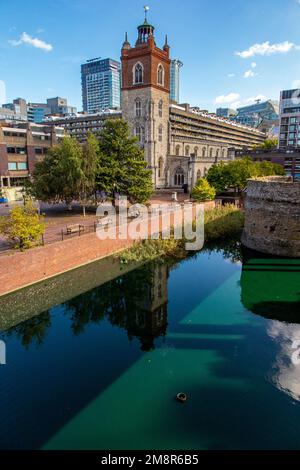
105, 222
77, 228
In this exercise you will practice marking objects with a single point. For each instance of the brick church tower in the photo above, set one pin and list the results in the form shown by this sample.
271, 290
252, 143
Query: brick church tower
145, 97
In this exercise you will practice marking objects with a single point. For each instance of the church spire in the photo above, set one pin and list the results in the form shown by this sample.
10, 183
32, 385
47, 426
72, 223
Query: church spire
126, 44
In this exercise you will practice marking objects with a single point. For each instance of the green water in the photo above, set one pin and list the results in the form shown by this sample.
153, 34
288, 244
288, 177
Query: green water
101, 369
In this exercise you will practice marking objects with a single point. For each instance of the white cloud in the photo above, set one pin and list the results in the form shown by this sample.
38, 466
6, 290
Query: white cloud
231, 75
234, 100
35, 42
267, 49
252, 99
227, 99
249, 74
254, 64
296, 83
2, 92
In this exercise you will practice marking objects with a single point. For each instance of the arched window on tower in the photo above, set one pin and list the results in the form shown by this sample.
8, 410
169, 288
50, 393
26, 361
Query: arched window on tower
138, 108
224, 153
160, 133
204, 152
179, 177
211, 153
196, 151
177, 150
160, 167
138, 73
160, 75
217, 153
160, 108
187, 151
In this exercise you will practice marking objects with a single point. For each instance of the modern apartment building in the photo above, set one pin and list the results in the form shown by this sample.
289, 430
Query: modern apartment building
21, 145
175, 79
78, 126
289, 137
101, 85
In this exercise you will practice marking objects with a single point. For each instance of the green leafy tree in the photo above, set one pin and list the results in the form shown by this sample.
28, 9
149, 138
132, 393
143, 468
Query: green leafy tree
203, 191
23, 226
89, 169
59, 175
217, 178
266, 168
122, 167
268, 144
234, 175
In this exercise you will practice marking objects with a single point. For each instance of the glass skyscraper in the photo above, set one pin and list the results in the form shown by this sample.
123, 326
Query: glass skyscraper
175, 79
101, 85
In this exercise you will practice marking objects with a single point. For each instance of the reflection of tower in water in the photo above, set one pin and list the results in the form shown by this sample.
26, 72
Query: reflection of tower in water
149, 320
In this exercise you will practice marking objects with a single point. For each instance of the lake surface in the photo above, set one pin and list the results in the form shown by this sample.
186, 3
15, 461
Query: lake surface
102, 369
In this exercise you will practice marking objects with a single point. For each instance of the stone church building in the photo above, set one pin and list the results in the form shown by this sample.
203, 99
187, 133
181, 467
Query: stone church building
180, 143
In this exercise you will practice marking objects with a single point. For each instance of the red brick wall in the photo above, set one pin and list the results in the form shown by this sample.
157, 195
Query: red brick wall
3, 160
19, 269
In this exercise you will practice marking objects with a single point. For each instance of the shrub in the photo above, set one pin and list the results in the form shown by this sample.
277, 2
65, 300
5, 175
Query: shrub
149, 250
22, 226
222, 222
203, 191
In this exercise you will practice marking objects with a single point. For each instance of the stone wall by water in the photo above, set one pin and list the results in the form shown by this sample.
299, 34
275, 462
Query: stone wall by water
272, 212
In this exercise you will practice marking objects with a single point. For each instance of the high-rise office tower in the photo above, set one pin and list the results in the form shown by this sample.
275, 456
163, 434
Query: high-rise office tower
175, 79
101, 85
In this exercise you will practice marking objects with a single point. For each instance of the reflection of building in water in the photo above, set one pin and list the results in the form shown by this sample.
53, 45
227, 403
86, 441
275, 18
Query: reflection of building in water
150, 317
271, 288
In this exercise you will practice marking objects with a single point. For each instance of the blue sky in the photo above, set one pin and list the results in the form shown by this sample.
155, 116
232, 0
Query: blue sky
43, 43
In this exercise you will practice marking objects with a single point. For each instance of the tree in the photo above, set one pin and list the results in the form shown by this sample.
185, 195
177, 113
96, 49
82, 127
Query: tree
59, 175
89, 169
22, 226
217, 178
266, 168
122, 167
203, 191
268, 144
234, 175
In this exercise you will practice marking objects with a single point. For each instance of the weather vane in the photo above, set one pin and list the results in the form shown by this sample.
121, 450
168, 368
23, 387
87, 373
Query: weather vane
146, 8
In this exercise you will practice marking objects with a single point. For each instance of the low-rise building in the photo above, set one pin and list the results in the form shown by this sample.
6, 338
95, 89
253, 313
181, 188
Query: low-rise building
21, 145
